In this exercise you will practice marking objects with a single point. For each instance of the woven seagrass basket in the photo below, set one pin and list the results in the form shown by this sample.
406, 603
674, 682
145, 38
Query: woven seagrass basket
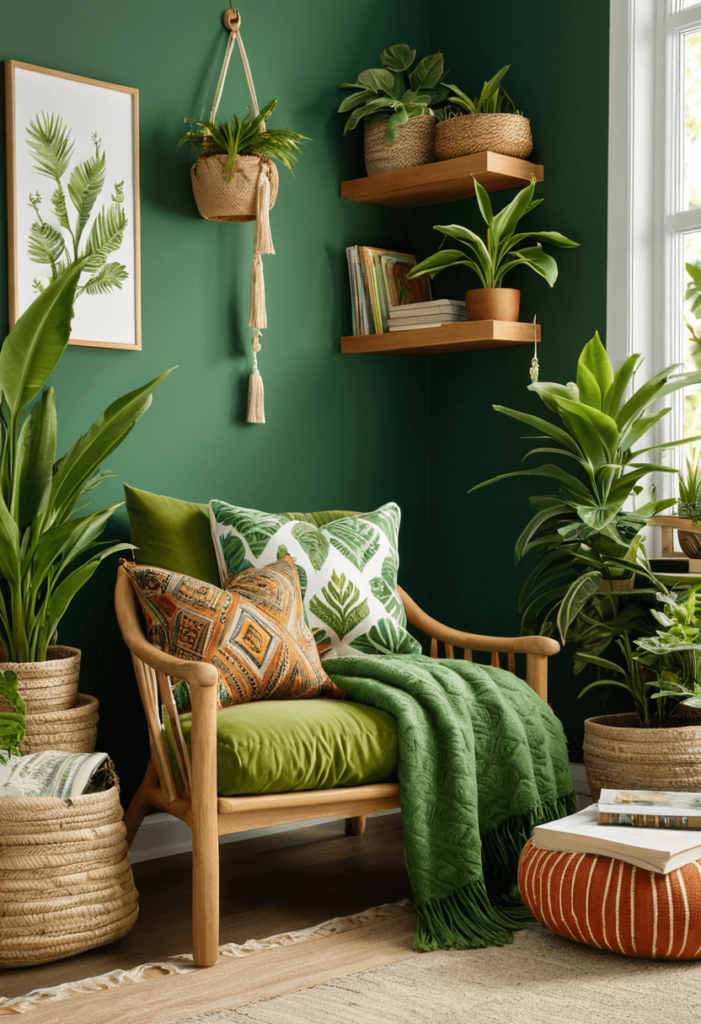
73, 730
65, 879
620, 754
234, 200
414, 145
47, 685
508, 134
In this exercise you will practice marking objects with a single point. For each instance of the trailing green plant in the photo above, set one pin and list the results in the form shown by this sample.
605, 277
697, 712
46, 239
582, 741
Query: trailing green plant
583, 533
671, 654
47, 553
13, 724
493, 259
393, 92
71, 243
491, 100
246, 134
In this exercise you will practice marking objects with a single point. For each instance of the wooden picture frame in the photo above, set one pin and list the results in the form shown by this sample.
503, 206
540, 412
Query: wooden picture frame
104, 318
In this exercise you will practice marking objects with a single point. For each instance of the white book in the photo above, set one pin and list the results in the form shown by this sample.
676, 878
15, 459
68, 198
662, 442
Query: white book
421, 327
654, 849
409, 308
424, 318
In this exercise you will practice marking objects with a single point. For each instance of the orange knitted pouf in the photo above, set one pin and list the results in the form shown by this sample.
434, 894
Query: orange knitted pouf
612, 905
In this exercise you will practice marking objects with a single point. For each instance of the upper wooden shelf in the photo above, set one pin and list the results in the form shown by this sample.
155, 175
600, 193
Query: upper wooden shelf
441, 182
455, 337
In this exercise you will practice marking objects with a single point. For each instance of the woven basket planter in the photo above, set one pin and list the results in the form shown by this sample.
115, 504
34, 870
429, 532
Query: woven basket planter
47, 685
234, 200
620, 754
65, 879
73, 730
508, 134
414, 145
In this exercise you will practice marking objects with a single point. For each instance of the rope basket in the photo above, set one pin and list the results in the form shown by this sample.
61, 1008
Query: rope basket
508, 134
65, 880
73, 730
234, 200
413, 146
620, 754
50, 684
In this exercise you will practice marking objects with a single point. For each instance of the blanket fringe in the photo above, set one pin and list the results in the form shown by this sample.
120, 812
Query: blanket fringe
487, 911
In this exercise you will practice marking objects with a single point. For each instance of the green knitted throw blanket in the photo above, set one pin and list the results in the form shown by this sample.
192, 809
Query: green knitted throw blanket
482, 759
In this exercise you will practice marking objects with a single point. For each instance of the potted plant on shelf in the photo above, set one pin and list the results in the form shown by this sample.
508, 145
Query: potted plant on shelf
493, 259
46, 553
467, 126
232, 155
588, 544
395, 105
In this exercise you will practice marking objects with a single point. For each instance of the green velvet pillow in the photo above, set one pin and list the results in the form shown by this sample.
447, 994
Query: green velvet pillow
171, 534
278, 746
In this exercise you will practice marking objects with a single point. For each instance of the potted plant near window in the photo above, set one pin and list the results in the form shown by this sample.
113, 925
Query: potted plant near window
47, 552
586, 541
467, 125
395, 105
492, 259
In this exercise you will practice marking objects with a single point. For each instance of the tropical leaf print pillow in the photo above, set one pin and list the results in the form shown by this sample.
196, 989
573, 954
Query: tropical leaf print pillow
347, 572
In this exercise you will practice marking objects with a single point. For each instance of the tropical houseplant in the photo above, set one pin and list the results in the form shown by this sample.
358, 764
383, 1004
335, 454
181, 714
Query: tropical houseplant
490, 121
492, 259
49, 547
232, 153
586, 538
395, 103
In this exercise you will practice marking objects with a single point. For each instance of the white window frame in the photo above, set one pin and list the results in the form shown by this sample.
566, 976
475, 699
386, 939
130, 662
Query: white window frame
645, 279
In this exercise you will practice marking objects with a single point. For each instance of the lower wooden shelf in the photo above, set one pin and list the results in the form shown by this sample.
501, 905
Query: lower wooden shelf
455, 337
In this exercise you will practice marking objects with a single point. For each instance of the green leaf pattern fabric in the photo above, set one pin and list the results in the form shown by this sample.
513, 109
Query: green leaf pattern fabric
347, 570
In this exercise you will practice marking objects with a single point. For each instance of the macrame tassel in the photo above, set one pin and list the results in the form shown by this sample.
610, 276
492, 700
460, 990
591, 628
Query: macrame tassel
257, 316
256, 408
263, 244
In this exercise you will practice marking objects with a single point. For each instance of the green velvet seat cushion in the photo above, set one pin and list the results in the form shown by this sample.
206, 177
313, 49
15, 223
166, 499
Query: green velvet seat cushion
278, 746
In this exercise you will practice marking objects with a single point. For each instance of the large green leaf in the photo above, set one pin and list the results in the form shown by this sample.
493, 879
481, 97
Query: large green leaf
399, 57
84, 186
46, 244
483, 201
378, 80
554, 472
36, 342
440, 261
357, 540
313, 542
50, 142
373, 107
82, 460
105, 236
342, 609
66, 542
575, 599
385, 637
255, 527
538, 520
471, 240
35, 459
427, 73
551, 429
506, 220
358, 99
389, 597
594, 373
604, 426
536, 259
234, 552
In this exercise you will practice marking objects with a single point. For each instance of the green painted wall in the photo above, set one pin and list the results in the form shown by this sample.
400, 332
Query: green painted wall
558, 51
341, 432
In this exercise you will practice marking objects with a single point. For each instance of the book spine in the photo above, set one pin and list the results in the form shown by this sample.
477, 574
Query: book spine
353, 288
365, 308
650, 821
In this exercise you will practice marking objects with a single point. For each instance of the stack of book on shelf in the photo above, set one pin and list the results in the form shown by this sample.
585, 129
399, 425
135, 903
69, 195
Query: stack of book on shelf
379, 282
426, 314
663, 837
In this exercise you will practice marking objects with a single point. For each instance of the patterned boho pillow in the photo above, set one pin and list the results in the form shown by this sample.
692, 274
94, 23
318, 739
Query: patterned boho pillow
254, 632
347, 571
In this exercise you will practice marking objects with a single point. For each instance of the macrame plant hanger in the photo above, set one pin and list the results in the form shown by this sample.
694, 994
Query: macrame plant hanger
263, 241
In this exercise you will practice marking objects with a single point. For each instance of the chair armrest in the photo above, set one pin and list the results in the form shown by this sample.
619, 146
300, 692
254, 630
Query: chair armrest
197, 673
544, 646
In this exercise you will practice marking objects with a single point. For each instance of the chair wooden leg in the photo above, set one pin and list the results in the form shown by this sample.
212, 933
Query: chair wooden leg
355, 826
205, 840
139, 804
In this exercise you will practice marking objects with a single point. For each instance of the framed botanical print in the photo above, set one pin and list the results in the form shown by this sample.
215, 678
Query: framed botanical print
73, 194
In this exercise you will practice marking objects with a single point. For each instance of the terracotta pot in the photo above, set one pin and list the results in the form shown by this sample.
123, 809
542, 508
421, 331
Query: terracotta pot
619, 753
492, 303
50, 685
414, 145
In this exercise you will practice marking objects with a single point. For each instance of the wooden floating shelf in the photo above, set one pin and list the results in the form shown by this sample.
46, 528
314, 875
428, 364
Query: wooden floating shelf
466, 336
441, 182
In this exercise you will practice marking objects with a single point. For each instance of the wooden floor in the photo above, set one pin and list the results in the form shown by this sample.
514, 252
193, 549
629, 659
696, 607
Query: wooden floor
270, 884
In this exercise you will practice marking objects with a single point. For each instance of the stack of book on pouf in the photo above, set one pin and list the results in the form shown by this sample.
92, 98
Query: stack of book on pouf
426, 314
623, 875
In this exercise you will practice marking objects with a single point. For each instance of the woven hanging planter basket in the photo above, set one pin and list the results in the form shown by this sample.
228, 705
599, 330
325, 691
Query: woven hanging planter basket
234, 200
73, 730
414, 145
65, 879
47, 685
508, 134
620, 754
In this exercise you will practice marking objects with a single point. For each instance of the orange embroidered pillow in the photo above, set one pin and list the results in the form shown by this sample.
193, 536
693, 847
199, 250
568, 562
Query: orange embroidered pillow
254, 632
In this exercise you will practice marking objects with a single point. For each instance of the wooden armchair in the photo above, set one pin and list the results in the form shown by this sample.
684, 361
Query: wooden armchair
196, 800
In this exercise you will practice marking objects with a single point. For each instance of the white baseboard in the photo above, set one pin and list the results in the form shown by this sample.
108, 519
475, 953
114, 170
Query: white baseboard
162, 835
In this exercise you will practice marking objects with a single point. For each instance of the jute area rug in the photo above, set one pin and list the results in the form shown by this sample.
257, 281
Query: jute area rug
363, 970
